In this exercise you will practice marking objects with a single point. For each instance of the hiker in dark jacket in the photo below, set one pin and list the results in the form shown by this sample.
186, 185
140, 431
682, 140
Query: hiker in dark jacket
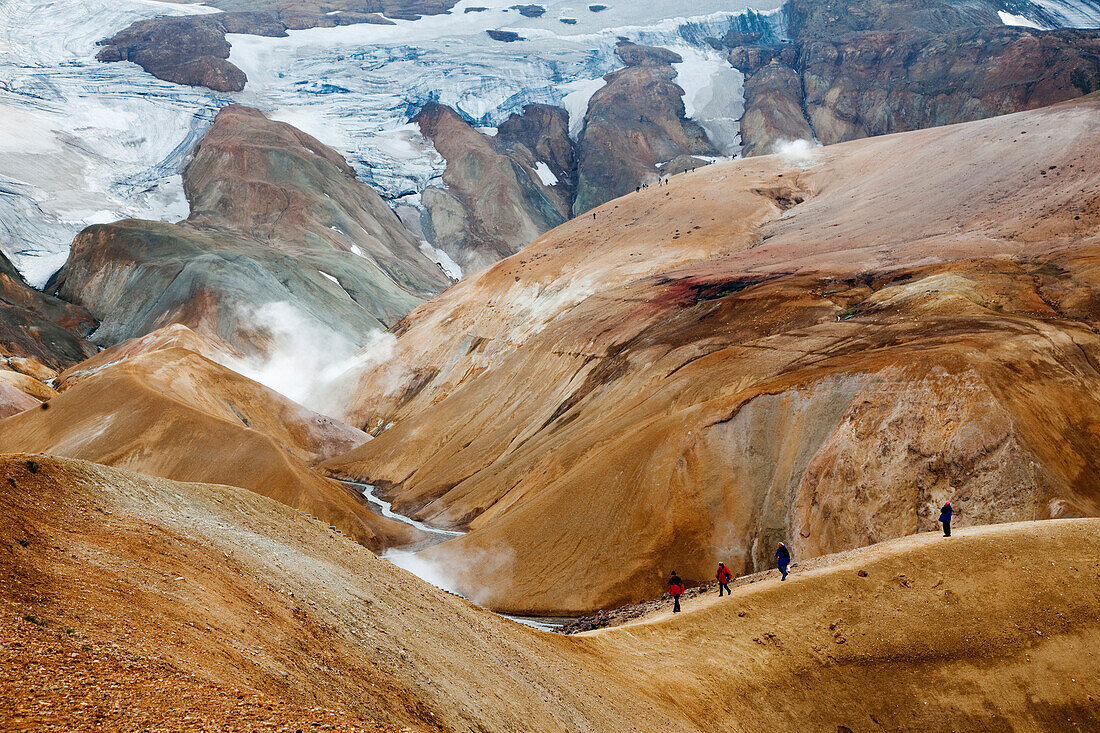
782, 559
676, 589
724, 576
945, 518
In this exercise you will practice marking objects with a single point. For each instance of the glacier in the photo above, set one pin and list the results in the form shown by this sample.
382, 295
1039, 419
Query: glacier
82, 142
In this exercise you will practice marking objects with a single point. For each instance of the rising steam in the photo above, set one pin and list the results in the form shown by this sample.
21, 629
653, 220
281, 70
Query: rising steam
308, 362
801, 153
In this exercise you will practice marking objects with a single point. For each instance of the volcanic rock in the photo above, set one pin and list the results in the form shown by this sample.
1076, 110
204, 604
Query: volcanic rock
634, 123
883, 67
495, 201
36, 325
193, 49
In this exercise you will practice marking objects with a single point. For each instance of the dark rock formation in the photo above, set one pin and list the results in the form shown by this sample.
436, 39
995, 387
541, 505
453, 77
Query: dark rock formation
504, 36
187, 50
543, 131
193, 50
530, 11
36, 325
275, 217
495, 201
882, 67
634, 123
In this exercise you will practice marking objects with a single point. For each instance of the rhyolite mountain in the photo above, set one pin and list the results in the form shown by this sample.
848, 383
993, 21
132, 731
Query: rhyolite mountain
169, 404
816, 350
494, 201
634, 125
276, 217
502, 191
126, 594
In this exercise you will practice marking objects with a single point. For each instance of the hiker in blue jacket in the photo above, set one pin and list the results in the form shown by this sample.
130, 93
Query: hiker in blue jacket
782, 559
945, 518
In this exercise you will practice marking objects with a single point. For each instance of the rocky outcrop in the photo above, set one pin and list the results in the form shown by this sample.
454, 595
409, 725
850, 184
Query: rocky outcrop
193, 49
276, 218
882, 67
186, 50
818, 351
501, 192
634, 124
37, 325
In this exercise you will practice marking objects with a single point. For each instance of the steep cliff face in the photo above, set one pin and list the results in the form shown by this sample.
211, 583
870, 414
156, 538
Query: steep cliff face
193, 49
276, 218
634, 124
852, 72
501, 192
36, 325
818, 350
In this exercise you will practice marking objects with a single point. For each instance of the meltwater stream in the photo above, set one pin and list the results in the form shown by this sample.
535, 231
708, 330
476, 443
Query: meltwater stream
386, 510
426, 571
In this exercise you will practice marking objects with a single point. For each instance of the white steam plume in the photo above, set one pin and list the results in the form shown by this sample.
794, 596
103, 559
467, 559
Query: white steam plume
802, 153
306, 360
459, 571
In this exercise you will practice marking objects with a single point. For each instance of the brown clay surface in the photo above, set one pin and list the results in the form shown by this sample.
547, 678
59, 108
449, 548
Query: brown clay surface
157, 406
124, 591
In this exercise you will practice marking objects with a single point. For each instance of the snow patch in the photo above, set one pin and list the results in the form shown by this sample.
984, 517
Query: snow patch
1019, 20
575, 100
441, 258
714, 95
542, 170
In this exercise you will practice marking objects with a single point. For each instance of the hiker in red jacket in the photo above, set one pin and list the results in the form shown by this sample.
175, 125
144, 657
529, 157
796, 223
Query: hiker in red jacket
724, 576
676, 589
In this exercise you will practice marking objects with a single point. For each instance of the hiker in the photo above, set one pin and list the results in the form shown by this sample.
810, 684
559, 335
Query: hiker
782, 559
724, 576
676, 589
945, 517
593, 216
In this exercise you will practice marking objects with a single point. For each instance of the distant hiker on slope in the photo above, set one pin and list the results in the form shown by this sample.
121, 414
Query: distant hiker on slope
945, 517
782, 559
676, 589
724, 576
